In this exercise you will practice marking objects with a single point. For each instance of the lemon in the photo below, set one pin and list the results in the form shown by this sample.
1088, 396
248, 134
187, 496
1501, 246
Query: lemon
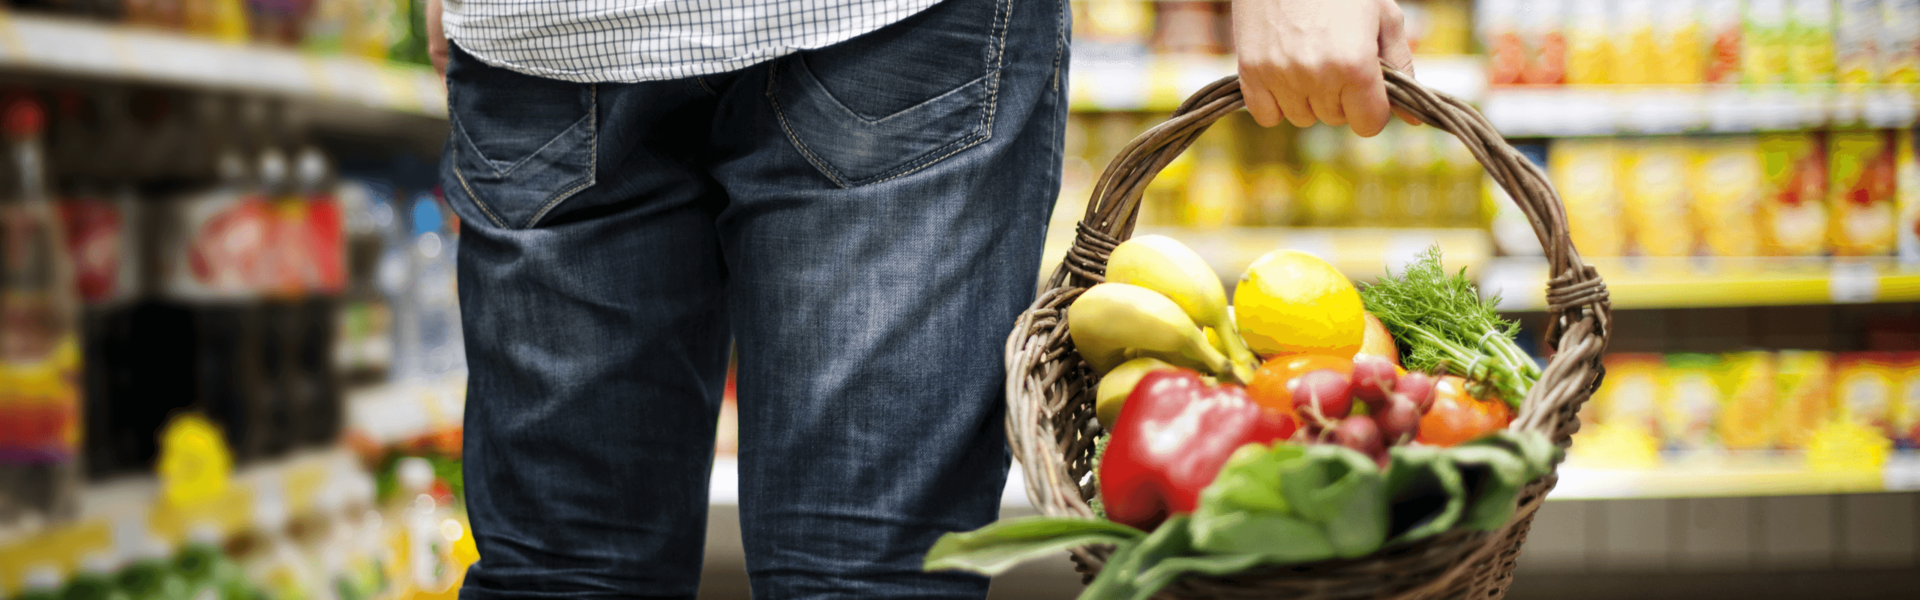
1293, 302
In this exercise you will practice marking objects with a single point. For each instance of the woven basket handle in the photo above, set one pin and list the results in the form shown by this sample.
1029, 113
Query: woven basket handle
1576, 297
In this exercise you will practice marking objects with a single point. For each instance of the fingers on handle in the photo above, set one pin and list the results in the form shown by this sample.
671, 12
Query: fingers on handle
1395, 50
1294, 105
1260, 102
1366, 107
1328, 108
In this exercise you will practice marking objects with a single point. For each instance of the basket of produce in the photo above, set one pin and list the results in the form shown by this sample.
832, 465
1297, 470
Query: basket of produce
1314, 439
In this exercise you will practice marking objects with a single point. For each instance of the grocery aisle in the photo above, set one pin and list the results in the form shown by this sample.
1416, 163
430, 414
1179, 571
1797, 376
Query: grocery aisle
230, 353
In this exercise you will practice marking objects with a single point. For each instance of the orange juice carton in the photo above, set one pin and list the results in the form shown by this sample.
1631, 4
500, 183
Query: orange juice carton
1446, 30
1900, 41
1906, 197
1678, 51
1724, 181
1724, 27
1690, 399
1747, 400
1543, 26
1793, 214
1861, 192
1805, 380
1905, 371
1631, 395
1810, 41
1633, 41
1583, 170
1590, 42
1856, 41
1764, 37
1653, 195
1497, 24
1864, 389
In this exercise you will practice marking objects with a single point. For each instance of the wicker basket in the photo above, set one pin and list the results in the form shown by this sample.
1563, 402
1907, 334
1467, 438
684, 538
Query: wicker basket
1050, 390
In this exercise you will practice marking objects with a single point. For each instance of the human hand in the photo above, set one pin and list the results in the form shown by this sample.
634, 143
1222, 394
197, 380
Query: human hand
436, 39
1308, 60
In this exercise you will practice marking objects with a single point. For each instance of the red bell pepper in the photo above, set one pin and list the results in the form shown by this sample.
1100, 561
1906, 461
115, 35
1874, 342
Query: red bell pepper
1172, 437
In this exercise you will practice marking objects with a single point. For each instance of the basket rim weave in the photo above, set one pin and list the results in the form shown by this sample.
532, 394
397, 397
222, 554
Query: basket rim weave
1049, 389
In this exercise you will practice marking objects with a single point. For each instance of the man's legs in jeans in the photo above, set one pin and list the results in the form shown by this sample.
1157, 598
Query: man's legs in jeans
867, 217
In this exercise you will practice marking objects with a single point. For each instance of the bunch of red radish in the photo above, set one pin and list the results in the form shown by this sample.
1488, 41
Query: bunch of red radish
1324, 403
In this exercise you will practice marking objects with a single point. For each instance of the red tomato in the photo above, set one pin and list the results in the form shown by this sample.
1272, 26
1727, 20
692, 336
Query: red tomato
1458, 417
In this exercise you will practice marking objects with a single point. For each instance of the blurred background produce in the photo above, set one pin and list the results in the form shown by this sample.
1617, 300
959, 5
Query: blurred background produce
229, 326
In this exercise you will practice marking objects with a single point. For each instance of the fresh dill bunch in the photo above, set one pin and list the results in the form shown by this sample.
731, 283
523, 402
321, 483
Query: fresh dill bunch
1442, 322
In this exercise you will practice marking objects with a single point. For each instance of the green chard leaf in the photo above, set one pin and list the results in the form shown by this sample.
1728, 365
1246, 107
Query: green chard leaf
1123, 576
1424, 493
1342, 490
1292, 504
997, 547
1491, 478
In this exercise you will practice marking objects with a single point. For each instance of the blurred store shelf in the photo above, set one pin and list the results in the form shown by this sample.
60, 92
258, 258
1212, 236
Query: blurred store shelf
1750, 475
1553, 111
1784, 474
109, 511
67, 47
1690, 282
1101, 81
1362, 253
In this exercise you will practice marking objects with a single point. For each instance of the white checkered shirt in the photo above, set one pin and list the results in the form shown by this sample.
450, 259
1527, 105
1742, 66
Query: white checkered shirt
645, 40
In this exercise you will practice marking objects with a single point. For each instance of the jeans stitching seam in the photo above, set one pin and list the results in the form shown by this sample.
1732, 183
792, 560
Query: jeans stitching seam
593, 157
457, 174
1059, 44
1002, 19
773, 99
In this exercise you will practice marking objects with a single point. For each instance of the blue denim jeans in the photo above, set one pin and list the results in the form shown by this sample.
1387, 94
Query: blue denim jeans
862, 222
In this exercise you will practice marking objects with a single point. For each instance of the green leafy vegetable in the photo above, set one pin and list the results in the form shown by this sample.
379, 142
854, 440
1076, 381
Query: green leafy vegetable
1443, 322
1280, 505
1124, 576
997, 547
1490, 480
1424, 490
1293, 504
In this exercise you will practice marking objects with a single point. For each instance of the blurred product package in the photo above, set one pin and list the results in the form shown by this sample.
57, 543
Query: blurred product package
1861, 193
1794, 211
1725, 181
40, 354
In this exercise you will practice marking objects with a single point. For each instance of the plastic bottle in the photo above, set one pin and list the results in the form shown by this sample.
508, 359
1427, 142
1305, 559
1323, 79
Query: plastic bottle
39, 347
442, 353
325, 279
429, 551
364, 348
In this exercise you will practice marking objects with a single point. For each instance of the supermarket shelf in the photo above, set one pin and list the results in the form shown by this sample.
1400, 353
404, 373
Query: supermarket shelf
113, 510
1734, 476
1606, 110
1362, 253
1108, 81
1766, 475
60, 46
1690, 283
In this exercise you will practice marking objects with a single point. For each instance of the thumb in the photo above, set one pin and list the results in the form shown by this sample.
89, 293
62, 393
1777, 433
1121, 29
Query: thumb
1394, 48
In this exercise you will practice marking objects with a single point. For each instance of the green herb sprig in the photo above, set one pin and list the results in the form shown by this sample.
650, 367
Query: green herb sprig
1441, 321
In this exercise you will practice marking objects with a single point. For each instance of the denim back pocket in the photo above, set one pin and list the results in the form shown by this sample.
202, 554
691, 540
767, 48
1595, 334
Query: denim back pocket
521, 144
896, 100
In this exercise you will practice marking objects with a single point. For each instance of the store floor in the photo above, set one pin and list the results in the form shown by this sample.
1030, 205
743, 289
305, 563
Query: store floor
1666, 561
